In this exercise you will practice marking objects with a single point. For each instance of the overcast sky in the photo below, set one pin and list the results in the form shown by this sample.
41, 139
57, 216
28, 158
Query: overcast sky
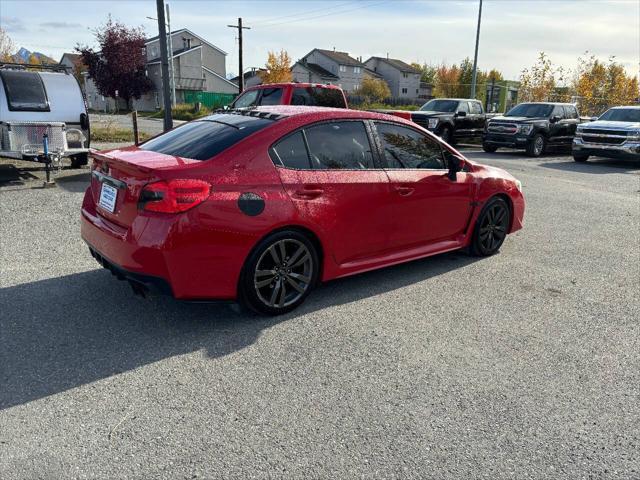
432, 31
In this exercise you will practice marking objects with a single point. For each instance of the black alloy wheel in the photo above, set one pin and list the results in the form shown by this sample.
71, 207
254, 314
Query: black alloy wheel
279, 274
536, 146
491, 227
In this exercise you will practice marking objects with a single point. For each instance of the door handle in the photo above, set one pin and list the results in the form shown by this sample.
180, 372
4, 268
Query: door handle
404, 191
308, 193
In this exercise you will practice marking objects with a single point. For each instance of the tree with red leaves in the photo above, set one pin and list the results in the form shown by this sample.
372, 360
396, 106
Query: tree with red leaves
119, 65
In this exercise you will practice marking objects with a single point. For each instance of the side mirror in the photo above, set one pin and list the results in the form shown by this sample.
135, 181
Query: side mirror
461, 114
555, 119
455, 165
226, 107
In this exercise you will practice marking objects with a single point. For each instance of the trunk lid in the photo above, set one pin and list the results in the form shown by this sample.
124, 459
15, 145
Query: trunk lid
127, 171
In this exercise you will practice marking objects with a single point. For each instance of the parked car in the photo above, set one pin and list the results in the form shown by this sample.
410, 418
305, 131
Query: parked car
452, 119
259, 205
309, 94
533, 127
616, 134
38, 100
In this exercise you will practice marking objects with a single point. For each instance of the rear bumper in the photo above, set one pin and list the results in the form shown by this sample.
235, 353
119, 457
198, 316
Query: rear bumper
510, 141
628, 150
167, 254
138, 281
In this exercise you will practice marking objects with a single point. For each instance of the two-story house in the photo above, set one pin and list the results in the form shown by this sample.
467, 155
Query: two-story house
403, 79
330, 66
197, 66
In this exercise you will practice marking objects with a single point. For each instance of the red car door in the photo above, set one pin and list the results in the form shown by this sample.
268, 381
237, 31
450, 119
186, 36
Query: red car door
427, 207
328, 171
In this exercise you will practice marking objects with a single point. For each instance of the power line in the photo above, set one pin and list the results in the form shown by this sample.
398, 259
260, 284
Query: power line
325, 14
275, 19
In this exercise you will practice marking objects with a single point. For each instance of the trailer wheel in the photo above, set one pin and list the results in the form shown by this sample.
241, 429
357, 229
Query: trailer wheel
79, 160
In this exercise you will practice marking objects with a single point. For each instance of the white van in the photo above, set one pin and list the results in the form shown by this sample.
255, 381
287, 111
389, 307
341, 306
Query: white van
35, 100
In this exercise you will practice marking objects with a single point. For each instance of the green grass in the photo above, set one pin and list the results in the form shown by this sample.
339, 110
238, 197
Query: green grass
383, 106
113, 134
183, 111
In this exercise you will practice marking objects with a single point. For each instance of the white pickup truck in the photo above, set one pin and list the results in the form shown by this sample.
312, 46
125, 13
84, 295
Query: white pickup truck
615, 134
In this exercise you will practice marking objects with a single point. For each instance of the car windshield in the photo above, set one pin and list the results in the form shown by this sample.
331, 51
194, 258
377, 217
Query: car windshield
205, 138
530, 110
622, 115
440, 106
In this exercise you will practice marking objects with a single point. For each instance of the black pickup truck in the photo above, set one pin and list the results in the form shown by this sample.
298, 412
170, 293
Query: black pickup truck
533, 127
452, 119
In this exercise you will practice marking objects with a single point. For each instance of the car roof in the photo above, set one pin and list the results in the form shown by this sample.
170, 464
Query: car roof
633, 107
322, 112
550, 103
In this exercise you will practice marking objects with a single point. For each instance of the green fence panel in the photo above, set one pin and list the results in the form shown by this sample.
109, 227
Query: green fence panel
209, 99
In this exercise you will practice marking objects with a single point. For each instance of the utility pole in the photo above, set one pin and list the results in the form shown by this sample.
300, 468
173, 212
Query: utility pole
166, 96
173, 78
240, 28
475, 57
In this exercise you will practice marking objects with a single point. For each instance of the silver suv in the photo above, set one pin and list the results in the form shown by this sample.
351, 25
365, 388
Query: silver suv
616, 134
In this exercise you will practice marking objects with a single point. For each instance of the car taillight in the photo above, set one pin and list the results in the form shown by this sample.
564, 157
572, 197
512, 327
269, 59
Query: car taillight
174, 196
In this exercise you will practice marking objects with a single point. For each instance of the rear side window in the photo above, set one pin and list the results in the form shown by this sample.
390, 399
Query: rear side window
25, 91
206, 138
317, 96
570, 111
407, 148
271, 96
558, 111
475, 107
339, 146
291, 152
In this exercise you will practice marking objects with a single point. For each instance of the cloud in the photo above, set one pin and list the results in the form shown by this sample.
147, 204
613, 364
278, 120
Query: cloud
60, 25
12, 24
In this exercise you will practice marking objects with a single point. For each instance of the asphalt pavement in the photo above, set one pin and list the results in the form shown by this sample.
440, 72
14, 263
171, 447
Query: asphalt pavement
523, 365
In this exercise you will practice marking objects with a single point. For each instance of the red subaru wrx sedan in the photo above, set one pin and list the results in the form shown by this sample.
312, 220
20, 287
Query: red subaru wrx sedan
258, 206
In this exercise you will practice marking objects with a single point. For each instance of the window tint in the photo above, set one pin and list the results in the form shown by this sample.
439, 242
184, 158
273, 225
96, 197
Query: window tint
339, 146
25, 91
407, 148
322, 97
271, 96
291, 152
204, 139
247, 99
475, 107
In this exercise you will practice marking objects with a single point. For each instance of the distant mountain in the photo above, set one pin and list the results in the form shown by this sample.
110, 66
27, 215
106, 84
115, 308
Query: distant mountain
23, 55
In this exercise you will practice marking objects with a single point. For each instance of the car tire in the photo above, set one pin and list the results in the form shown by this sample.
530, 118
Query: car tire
489, 148
580, 157
491, 228
279, 273
79, 160
447, 135
537, 146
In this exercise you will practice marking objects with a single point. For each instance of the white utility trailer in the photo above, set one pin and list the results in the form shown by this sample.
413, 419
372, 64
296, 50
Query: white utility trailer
43, 115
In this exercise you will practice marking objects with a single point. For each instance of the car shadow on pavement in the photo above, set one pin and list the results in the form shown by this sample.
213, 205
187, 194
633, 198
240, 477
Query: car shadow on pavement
64, 332
596, 166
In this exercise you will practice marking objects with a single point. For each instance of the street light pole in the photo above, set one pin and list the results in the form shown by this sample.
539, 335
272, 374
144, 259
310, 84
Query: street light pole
173, 78
475, 57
